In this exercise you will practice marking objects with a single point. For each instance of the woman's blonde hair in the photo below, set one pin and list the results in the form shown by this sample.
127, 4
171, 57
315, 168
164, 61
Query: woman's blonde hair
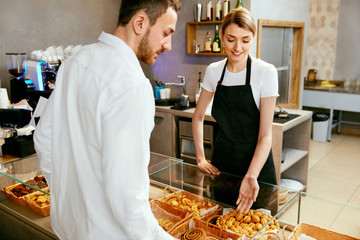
240, 16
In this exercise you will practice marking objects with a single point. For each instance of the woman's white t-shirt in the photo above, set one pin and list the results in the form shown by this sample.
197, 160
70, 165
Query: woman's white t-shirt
263, 81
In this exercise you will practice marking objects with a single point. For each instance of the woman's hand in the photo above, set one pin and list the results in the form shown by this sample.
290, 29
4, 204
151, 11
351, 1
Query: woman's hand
248, 193
207, 167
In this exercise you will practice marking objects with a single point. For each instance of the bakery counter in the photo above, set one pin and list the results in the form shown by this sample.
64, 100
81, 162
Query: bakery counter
21, 222
171, 180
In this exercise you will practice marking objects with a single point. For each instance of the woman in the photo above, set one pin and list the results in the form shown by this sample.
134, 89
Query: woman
244, 91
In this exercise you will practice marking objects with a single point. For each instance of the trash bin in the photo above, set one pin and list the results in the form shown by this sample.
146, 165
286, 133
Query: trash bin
320, 126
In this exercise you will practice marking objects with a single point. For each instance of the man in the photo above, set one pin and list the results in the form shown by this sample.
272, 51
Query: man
93, 137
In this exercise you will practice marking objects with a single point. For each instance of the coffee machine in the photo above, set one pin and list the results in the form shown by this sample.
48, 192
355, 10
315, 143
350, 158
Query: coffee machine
31, 79
16, 64
43, 76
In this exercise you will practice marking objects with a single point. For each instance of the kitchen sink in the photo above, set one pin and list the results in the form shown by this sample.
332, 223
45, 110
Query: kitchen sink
167, 102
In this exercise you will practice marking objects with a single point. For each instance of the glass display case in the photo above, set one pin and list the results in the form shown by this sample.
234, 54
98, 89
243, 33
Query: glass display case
164, 172
22, 221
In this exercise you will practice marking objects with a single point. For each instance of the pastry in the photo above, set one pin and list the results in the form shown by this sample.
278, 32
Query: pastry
194, 234
247, 224
183, 201
165, 224
22, 190
40, 199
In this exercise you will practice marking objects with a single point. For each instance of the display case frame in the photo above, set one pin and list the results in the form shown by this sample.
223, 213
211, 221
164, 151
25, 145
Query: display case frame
171, 172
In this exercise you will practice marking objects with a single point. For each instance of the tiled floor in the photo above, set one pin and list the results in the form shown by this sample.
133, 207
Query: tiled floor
333, 199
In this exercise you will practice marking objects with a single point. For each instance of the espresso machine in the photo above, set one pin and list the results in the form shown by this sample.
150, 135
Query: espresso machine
16, 64
31, 79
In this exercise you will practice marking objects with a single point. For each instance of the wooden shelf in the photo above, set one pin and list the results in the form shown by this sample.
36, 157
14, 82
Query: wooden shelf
208, 54
191, 28
205, 22
292, 156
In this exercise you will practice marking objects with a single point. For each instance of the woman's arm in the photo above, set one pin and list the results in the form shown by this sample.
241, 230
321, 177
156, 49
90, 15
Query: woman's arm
197, 129
249, 187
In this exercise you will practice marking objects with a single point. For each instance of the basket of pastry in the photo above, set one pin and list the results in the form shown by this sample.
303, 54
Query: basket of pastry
169, 217
308, 231
248, 224
39, 202
17, 192
201, 207
199, 229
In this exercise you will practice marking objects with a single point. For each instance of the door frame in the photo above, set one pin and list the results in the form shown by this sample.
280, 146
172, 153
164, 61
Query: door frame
297, 55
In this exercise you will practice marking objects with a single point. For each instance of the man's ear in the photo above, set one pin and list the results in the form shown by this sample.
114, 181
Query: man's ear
140, 22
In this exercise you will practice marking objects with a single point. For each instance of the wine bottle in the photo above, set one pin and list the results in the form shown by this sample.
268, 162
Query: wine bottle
226, 7
207, 47
209, 11
239, 4
216, 44
218, 10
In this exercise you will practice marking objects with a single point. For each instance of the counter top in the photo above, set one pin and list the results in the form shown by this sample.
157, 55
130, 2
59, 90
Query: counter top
340, 89
188, 113
7, 158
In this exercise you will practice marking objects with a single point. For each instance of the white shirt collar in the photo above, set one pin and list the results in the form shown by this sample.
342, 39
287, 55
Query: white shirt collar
117, 43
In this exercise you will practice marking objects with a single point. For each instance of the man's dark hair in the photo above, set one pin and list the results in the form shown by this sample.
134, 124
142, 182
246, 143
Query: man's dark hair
153, 8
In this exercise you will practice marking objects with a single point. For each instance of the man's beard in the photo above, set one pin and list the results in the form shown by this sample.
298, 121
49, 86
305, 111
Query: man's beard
144, 51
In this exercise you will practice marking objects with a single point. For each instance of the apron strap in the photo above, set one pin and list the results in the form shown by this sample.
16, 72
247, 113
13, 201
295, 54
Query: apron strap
248, 70
222, 74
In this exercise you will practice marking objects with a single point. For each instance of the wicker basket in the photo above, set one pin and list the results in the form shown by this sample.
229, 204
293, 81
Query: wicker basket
210, 229
317, 233
42, 210
11, 196
213, 209
167, 212
19, 200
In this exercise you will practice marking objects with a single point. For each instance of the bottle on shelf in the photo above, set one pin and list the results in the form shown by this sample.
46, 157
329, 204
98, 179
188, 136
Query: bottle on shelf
209, 11
197, 95
239, 4
218, 10
216, 44
222, 44
208, 42
226, 7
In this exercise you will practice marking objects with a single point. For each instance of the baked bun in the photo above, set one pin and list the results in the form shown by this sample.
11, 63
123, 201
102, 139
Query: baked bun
194, 234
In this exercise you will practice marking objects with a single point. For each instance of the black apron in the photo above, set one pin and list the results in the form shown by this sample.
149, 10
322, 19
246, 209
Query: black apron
238, 117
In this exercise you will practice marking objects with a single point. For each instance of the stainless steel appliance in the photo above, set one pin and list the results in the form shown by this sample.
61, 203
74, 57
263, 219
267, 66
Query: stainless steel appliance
186, 141
31, 79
